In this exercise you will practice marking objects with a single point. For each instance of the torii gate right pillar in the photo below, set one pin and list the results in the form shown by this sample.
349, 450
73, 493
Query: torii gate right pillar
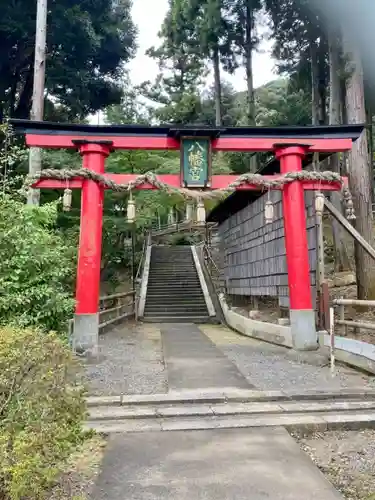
302, 315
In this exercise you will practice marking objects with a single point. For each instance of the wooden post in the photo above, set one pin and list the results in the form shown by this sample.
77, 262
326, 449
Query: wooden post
342, 316
321, 272
37, 109
332, 339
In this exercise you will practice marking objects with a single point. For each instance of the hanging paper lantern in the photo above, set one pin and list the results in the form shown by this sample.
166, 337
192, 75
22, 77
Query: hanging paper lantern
189, 211
201, 213
319, 204
269, 212
131, 210
67, 200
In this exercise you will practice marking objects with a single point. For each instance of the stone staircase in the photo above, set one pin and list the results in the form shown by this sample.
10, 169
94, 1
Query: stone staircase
228, 408
174, 293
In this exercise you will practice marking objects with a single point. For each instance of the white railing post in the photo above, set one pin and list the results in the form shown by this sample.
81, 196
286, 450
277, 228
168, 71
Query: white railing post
332, 339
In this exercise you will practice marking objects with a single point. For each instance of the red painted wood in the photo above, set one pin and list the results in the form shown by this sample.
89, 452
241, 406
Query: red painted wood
119, 142
90, 239
156, 143
297, 255
314, 145
217, 182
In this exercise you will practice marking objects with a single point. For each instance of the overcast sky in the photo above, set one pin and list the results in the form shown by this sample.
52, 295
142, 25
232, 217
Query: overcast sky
148, 15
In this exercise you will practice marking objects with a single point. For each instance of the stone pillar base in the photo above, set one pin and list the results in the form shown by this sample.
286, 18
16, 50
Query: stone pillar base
86, 334
304, 335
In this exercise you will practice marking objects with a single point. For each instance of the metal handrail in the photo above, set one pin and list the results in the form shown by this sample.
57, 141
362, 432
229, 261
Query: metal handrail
207, 255
341, 303
140, 265
116, 296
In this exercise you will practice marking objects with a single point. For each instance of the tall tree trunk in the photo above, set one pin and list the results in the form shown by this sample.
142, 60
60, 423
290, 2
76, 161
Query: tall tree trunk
370, 140
216, 64
359, 173
341, 255
249, 63
322, 53
315, 96
249, 75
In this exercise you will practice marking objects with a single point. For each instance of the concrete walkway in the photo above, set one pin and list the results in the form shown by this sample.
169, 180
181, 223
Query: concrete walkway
234, 464
194, 362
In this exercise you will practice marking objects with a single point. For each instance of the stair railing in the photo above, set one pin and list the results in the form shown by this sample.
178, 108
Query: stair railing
138, 276
212, 267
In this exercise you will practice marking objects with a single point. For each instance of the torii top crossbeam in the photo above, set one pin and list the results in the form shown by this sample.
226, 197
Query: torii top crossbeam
95, 143
61, 135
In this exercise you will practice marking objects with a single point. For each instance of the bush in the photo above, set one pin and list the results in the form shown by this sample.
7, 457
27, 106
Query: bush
37, 267
41, 411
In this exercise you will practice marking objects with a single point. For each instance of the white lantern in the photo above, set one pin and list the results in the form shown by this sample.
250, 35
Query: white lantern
269, 212
131, 210
67, 200
201, 213
319, 204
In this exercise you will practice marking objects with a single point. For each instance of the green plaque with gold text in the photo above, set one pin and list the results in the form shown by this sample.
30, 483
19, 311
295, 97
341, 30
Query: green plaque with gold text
195, 161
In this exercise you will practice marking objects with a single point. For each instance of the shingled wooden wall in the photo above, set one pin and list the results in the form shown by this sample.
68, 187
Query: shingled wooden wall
253, 253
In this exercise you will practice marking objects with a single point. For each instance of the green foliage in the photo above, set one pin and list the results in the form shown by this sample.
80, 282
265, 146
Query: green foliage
41, 411
37, 267
182, 68
281, 103
87, 44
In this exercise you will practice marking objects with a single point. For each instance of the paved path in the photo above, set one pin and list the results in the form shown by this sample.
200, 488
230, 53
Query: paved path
233, 464
194, 362
218, 464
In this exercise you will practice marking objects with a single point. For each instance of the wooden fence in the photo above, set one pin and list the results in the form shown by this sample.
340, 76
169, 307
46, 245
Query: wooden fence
116, 307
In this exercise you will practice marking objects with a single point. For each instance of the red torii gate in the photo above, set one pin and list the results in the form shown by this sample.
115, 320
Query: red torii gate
95, 143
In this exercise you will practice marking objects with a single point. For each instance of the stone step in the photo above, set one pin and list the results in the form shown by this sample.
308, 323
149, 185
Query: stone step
183, 301
291, 421
176, 299
232, 395
173, 279
173, 272
227, 409
173, 285
177, 319
173, 312
157, 287
187, 312
176, 294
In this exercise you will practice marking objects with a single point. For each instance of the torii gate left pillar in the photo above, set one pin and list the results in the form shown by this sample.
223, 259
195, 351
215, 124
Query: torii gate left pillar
86, 318
95, 143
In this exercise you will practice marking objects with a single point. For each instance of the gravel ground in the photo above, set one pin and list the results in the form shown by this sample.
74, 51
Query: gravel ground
77, 480
347, 458
130, 362
271, 367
